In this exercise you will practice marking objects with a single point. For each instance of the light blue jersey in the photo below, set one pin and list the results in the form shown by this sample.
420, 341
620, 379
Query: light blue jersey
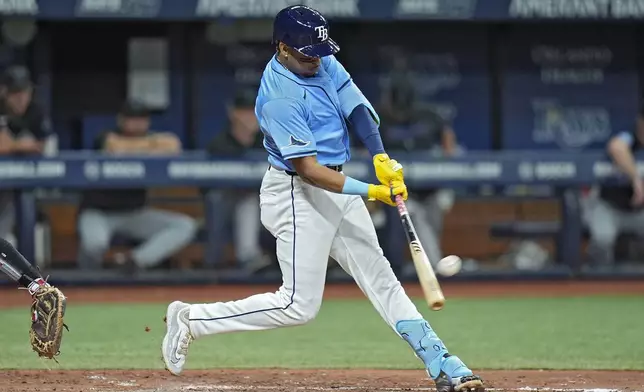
303, 116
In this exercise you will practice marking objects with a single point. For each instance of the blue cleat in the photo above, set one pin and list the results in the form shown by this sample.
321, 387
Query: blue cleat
448, 371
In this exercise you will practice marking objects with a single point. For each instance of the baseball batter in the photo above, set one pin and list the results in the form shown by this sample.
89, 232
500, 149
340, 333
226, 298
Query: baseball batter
306, 98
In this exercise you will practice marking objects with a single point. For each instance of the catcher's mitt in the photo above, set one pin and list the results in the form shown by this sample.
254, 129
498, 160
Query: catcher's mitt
47, 313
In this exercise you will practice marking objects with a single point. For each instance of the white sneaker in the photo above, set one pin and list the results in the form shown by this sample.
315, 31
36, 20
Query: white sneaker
177, 337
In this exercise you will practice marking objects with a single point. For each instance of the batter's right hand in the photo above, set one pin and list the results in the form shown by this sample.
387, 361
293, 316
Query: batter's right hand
387, 194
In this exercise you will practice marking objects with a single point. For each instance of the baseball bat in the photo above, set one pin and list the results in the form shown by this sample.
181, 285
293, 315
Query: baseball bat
428, 281
9, 270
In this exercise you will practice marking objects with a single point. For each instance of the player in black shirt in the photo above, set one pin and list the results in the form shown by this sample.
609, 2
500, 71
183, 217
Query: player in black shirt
408, 126
618, 207
24, 128
23, 124
104, 213
240, 136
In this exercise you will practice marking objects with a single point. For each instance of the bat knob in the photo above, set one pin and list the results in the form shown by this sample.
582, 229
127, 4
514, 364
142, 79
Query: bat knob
437, 306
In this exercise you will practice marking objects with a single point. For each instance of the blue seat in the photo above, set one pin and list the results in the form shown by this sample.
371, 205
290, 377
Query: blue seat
93, 126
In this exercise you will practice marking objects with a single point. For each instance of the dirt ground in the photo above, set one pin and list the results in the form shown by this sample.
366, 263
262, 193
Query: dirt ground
314, 380
308, 380
10, 297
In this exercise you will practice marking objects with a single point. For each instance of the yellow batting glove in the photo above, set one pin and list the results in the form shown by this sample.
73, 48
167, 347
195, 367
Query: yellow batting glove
403, 189
387, 170
386, 194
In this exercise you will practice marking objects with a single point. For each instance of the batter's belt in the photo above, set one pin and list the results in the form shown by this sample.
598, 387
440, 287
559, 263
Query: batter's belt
337, 168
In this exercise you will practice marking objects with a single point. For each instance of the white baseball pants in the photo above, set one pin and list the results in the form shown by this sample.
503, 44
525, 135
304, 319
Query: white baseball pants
310, 224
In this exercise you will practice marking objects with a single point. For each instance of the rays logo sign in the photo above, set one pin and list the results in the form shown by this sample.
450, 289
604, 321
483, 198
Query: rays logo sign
570, 126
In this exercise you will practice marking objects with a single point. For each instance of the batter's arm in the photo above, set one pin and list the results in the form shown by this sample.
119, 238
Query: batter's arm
285, 119
356, 108
366, 127
349, 94
320, 176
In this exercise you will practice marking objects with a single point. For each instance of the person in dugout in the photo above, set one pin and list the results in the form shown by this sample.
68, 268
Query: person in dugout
412, 127
620, 207
242, 135
24, 129
104, 213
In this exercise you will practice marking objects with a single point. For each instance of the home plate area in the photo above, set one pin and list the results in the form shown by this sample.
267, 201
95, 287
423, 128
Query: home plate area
309, 380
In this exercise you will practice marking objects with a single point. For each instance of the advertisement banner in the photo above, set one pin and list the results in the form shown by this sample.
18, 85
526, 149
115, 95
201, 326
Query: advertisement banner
118, 8
268, 8
443, 9
576, 9
567, 89
620, 10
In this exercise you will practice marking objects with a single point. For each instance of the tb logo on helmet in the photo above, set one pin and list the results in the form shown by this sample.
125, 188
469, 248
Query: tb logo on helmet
323, 33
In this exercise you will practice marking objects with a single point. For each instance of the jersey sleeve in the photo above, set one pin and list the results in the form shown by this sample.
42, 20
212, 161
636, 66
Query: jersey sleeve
626, 137
349, 94
285, 121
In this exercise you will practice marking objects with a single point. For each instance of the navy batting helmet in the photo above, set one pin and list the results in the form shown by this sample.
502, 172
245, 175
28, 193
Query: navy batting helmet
305, 30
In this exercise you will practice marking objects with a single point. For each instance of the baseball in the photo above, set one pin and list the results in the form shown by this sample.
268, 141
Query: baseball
449, 265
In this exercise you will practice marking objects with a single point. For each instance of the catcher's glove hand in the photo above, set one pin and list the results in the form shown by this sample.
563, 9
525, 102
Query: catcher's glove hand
47, 311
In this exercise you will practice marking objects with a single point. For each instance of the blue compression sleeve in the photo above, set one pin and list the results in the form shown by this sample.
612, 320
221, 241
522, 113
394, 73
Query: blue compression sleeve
355, 187
367, 129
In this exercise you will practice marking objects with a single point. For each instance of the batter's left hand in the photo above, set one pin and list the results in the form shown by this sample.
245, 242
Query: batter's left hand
387, 170
403, 189
387, 193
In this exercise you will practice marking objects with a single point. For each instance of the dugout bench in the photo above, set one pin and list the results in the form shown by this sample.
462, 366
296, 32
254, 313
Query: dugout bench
567, 173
